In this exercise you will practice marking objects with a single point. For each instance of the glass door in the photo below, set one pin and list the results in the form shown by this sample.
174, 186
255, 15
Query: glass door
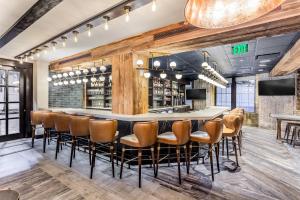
9, 102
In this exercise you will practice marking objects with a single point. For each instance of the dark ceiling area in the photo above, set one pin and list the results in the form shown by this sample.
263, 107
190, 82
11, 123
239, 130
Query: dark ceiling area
262, 55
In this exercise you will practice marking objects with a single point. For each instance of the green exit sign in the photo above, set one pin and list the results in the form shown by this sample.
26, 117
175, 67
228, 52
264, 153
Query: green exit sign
239, 49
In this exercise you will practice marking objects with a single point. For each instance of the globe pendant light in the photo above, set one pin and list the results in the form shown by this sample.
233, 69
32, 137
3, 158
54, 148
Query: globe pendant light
102, 78
173, 65
156, 64
163, 75
147, 74
212, 14
178, 76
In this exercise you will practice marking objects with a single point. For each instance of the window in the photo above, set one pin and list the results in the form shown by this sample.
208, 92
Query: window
245, 95
224, 96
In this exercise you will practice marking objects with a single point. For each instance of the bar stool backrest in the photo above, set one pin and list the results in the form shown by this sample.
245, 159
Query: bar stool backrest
182, 130
232, 122
61, 122
146, 133
36, 117
214, 128
48, 120
79, 125
103, 131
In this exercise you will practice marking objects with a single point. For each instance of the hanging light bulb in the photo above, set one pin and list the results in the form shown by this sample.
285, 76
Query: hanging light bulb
163, 75
89, 26
75, 33
102, 78
85, 80
31, 56
64, 41
54, 76
178, 76
147, 74
53, 45
72, 82
156, 64
127, 10
45, 50
49, 79
71, 74
107, 18
55, 84
66, 82
60, 83
37, 53
65, 75
153, 5
21, 61
59, 75
78, 81
173, 65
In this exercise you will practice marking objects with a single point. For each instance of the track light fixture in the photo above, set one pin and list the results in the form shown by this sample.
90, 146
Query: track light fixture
127, 10
75, 34
64, 41
107, 18
89, 26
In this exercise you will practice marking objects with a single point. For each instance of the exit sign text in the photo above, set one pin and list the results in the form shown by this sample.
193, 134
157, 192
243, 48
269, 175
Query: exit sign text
239, 49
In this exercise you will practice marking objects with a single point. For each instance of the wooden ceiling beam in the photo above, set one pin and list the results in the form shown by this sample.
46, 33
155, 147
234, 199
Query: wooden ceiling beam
181, 37
289, 63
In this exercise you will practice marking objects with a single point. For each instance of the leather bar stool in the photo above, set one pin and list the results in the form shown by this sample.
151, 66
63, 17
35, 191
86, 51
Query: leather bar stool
212, 136
79, 127
61, 123
105, 132
231, 128
48, 125
144, 137
35, 120
180, 136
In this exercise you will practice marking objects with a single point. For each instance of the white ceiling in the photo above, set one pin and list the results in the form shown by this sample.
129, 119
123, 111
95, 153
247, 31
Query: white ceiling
11, 11
71, 12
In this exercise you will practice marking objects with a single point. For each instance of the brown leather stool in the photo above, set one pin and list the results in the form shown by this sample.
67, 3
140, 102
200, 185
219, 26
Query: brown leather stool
35, 120
145, 135
212, 136
231, 128
79, 127
61, 123
103, 131
179, 136
48, 125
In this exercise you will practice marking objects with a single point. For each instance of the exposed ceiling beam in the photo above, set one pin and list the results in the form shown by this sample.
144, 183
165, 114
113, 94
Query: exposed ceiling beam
182, 37
289, 63
39, 9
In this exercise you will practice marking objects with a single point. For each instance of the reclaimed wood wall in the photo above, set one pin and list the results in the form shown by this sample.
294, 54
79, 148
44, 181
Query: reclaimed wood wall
210, 95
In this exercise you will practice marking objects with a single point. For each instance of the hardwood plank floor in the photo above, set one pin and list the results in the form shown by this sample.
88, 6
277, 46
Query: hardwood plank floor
269, 170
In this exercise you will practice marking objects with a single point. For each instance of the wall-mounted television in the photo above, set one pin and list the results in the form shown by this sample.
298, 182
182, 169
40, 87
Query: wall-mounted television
196, 94
282, 87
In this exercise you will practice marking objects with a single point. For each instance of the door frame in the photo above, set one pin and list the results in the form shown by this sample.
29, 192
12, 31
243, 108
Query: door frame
25, 101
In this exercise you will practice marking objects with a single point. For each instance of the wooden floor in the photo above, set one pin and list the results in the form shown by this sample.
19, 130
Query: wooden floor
269, 170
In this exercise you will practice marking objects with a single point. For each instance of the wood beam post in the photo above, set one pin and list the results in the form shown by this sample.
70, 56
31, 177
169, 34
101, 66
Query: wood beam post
129, 89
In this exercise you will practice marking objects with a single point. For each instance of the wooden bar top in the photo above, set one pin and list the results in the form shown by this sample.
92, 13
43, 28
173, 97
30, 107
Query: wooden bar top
205, 114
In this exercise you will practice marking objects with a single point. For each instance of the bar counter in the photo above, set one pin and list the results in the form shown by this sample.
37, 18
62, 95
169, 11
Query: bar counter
205, 114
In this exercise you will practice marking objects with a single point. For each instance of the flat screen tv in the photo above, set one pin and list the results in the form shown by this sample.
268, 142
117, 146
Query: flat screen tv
194, 94
282, 87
